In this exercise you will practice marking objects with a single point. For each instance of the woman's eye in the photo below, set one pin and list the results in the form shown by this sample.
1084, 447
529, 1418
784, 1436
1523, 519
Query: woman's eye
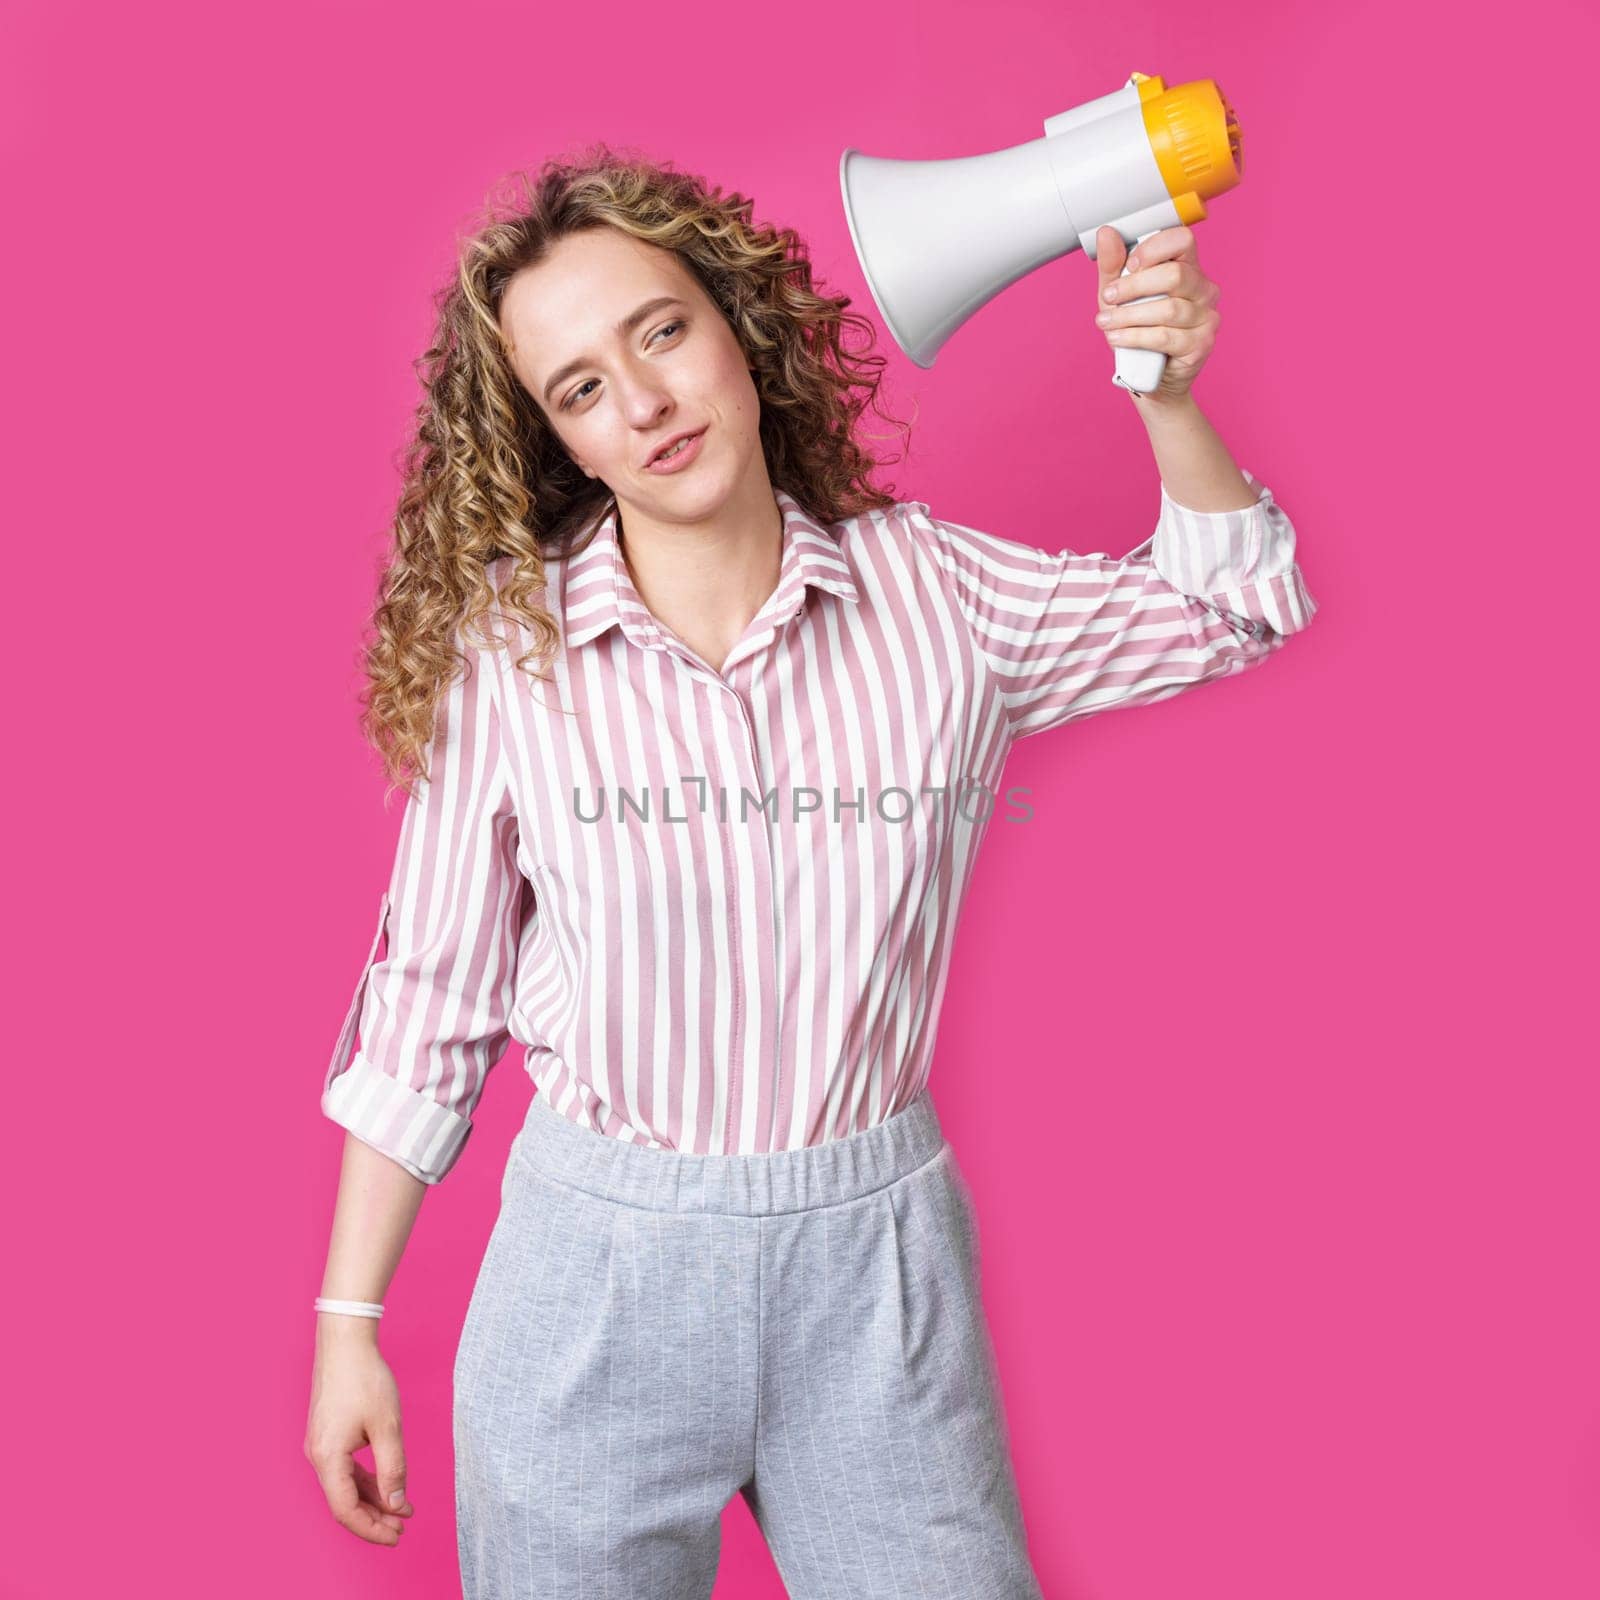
577, 394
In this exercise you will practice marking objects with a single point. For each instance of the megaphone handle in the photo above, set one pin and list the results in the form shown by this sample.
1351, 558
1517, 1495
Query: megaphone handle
1140, 370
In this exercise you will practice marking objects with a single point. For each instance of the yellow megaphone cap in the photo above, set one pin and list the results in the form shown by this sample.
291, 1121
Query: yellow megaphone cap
1194, 135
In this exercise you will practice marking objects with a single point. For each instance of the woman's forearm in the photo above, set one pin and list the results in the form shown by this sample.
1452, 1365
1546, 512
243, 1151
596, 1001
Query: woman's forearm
377, 1204
1193, 461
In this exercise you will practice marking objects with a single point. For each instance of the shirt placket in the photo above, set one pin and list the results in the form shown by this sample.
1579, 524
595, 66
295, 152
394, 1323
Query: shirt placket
730, 688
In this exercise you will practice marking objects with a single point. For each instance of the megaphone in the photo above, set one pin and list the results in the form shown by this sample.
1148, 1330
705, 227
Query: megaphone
938, 239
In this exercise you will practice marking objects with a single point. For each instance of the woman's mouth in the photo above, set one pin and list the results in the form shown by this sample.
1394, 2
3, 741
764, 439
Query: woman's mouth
677, 459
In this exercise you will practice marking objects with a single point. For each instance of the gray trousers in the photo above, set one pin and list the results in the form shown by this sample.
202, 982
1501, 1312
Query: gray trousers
652, 1331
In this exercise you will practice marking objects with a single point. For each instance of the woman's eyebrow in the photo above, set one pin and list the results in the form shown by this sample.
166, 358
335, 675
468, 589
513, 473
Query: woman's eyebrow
627, 325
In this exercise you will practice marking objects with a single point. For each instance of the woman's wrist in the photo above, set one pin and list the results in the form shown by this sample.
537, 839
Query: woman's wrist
334, 1328
1157, 407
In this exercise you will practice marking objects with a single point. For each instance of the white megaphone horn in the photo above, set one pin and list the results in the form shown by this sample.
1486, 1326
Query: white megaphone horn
938, 239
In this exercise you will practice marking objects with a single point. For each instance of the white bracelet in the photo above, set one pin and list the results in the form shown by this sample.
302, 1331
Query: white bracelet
354, 1308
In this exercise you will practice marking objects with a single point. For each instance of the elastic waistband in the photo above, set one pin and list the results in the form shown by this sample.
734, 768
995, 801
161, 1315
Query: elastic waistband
754, 1185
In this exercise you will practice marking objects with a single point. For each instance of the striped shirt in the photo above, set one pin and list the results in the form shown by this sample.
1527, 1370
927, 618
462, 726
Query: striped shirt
717, 906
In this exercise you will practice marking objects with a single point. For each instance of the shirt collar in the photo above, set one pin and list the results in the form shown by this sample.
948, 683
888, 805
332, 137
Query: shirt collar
599, 591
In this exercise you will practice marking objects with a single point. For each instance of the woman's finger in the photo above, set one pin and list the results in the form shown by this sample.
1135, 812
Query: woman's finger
1157, 338
1165, 277
1170, 309
1166, 244
1186, 344
1110, 255
372, 1495
338, 1473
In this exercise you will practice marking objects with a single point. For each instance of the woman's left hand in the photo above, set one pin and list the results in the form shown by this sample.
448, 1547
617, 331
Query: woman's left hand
1183, 323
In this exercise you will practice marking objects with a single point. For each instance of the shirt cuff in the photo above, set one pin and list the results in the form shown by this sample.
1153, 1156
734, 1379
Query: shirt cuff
1241, 562
413, 1129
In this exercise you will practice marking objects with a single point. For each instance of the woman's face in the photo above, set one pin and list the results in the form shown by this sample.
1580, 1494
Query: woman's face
613, 397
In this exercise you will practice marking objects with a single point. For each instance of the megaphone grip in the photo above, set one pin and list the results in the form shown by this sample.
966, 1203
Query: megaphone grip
1140, 370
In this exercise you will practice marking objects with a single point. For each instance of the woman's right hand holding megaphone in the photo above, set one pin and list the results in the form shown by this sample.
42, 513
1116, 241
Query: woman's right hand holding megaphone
1155, 297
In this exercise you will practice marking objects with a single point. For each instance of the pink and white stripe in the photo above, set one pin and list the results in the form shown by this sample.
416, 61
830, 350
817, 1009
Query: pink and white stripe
689, 973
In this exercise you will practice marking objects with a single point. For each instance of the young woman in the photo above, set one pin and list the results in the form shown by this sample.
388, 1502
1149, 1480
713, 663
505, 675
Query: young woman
706, 735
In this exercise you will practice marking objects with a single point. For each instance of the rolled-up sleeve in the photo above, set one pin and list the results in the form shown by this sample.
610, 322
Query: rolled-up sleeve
1208, 594
433, 1014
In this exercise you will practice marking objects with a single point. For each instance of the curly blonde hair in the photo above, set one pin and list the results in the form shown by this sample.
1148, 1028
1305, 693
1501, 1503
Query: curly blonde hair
486, 477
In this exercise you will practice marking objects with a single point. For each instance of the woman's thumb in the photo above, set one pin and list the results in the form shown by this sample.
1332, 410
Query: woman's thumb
1111, 254
389, 1460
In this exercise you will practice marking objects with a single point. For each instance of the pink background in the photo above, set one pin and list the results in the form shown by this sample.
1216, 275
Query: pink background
1267, 1051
